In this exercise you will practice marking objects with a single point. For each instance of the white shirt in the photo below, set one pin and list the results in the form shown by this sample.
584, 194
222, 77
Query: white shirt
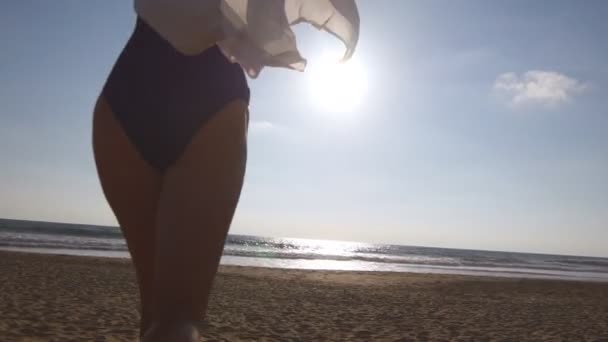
253, 33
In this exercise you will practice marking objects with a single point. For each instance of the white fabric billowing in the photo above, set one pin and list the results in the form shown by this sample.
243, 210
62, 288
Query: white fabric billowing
253, 33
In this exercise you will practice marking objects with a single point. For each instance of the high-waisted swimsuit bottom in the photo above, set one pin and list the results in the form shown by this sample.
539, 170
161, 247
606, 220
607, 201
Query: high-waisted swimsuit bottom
162, 97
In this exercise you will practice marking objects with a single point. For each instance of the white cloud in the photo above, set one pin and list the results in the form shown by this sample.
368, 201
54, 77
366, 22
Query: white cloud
262, 127
537, 87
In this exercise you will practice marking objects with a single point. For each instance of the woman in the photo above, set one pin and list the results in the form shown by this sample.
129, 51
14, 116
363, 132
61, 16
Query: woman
169, 137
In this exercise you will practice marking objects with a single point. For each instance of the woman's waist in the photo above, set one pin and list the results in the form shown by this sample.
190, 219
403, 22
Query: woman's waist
149, 60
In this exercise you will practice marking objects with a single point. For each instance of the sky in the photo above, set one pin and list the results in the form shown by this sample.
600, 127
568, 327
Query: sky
481, 125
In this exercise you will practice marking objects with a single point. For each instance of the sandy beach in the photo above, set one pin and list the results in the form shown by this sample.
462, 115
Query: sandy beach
64, 298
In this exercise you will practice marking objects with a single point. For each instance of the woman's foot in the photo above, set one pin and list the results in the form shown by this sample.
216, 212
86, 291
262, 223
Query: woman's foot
171, 332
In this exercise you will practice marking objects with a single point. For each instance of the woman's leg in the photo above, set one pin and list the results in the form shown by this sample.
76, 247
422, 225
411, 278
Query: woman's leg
197, 202
132, 188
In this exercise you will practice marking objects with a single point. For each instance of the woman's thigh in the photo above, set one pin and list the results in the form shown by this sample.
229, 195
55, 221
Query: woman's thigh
131, 187
197, 202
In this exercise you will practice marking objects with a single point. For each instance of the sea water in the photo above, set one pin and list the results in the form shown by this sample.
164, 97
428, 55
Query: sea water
76, 239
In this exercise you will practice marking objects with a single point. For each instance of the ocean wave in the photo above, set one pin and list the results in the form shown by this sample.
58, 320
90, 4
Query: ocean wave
50, 228
59, 236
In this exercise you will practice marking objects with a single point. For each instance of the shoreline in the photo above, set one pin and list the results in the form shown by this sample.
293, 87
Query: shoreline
278, 263
60, 298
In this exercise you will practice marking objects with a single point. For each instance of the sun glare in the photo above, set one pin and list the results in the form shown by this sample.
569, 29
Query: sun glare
337, 87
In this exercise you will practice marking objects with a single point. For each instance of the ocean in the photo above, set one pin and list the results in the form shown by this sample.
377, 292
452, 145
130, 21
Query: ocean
77, 239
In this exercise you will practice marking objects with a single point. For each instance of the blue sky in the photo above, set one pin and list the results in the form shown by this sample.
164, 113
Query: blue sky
483, 126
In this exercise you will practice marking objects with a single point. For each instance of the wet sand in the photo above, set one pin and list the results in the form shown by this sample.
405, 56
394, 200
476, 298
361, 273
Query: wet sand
66, 298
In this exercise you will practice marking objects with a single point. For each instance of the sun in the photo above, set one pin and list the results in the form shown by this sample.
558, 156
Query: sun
337, 87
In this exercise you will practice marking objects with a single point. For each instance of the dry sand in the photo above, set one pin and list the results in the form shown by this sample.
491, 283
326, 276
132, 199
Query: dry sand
61, 298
